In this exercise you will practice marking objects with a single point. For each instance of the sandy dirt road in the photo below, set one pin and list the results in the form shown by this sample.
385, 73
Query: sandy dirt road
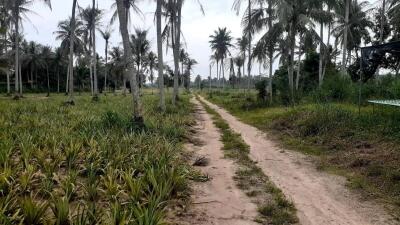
218, 201
320, 198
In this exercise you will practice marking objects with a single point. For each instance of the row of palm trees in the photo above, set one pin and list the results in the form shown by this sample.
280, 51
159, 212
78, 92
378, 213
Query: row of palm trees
78, 42
291, 27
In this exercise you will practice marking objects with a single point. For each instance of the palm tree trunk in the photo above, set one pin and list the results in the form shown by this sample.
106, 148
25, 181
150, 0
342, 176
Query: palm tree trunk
218, 80
106, 73
249, 62
177, 36
223, 74
271, 64
48, 81
96, 89
321, 55
327, 52
20, 78
16, 46
137, 106
291, 60
8, 83
58, 79
382, 20
71, 55
67, 81
298, 69
346, 30
160, 56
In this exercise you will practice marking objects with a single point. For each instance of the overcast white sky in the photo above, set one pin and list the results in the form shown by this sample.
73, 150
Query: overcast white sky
196, 26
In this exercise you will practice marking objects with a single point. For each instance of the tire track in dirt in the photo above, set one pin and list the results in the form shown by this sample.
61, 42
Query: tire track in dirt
217, 201
320, 198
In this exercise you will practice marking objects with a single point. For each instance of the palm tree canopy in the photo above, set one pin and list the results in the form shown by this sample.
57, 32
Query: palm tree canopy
220, 43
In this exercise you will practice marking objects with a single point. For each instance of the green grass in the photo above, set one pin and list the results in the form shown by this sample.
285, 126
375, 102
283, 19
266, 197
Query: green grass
87, 164
273, 207
362, 147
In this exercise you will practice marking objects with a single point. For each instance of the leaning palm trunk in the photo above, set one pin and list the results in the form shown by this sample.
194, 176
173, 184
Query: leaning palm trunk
137, 107
346, 30
177, 36
71, 55
94, 59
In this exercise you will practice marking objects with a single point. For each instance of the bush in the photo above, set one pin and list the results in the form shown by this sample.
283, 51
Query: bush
335, 88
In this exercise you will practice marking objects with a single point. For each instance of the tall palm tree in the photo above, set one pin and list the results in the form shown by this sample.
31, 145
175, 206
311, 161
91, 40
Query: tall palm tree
242, 44
46, 55
90, 17
152, 61
358, 27
117, 65
236, 6
220, 43
239, 62
19, 10
293, 14
140, 48
94, 54
189, 63
106, 34
160, 55
71, 55
173, 12
64, 34
123, 24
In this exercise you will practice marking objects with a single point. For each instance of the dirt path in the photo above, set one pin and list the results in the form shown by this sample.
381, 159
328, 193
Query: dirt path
320, 198
218, 201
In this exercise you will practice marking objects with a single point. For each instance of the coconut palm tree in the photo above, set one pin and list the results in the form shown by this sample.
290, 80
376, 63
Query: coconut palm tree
71, 55
90, 17
242, 45
172, 33
237, 6
117, 65
358, 27
239, 62
94, 54
64, 34
140, 48
46, 55
292, 15
123, 23
58, 62
19, 10
189, 63
151, 62
160, 55
106, 34
220, 43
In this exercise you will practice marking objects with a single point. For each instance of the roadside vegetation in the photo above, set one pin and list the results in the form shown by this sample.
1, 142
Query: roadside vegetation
363, 146
273, 207
90, 164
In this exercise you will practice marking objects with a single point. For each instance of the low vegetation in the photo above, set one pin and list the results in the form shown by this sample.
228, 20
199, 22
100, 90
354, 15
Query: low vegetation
273, 207
361, 146
88, 164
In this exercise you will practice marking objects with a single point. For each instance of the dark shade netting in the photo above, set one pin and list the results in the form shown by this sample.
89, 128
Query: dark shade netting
372, 57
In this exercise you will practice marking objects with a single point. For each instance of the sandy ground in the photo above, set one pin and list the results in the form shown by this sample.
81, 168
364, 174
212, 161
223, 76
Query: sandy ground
217, 201
320, 198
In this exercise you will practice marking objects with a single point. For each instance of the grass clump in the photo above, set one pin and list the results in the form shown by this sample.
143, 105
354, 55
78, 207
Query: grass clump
86, 164
274, 208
